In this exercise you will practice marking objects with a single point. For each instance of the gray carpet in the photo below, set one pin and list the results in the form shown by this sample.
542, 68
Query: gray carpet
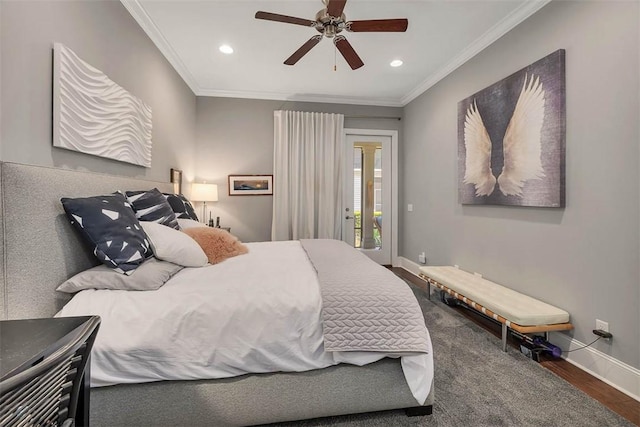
477, 384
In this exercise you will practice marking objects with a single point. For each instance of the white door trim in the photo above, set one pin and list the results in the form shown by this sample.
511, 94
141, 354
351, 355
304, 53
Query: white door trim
394, 180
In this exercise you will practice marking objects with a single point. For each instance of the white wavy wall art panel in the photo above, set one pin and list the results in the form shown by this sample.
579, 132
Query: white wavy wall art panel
94, 115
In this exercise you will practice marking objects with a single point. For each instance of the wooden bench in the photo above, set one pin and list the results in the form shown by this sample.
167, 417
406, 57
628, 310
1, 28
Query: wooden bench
512, 309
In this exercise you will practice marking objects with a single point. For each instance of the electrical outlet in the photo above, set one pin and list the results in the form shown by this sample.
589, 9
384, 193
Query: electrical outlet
422, 258
410, 207
602, 325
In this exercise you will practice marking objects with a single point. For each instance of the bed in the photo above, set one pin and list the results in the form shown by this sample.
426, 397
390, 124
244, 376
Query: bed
41, 250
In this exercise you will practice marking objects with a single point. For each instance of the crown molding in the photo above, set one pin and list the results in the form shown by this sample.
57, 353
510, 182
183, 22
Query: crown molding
520, 14
149, 27
281, 96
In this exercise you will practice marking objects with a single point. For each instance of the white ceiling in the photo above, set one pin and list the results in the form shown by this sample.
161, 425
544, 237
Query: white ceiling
442, 35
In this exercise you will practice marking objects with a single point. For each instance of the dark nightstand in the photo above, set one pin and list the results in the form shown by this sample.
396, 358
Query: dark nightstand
31, 350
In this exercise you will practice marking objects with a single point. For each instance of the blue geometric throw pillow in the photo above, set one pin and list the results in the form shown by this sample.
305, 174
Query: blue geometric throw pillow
109, 225
152, 206
181, 206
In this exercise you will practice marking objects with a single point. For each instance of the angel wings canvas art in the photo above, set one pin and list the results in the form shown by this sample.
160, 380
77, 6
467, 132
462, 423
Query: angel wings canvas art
511, 139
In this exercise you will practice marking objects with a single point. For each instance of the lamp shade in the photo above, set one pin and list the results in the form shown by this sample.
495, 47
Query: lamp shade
204, 192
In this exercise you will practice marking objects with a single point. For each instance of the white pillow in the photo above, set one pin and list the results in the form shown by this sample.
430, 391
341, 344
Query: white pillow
185, 223
174, 246
149, 276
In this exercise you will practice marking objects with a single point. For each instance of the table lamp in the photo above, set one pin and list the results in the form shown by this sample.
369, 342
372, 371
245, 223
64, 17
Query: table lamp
204, 193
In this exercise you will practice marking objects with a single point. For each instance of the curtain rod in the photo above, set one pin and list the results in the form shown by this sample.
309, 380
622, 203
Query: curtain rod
373, 117
362, 117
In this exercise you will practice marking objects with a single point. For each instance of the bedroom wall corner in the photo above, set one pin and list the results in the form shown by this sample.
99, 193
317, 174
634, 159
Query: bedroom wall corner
106, 36
235, 136
582, 258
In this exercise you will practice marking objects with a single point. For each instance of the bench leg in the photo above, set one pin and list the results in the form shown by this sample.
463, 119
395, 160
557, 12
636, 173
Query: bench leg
505, 332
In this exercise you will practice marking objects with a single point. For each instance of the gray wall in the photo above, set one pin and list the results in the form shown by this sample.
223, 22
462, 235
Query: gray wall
3, 291
583, 258
105, 35
235, 136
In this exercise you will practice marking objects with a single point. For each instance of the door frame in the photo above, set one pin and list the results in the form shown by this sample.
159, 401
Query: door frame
394, 179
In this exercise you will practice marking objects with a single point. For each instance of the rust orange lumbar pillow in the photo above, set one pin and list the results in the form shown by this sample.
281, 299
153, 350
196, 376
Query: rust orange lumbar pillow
217, 243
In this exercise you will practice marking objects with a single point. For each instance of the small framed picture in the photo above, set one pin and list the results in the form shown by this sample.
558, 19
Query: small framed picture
250, 185
176, 179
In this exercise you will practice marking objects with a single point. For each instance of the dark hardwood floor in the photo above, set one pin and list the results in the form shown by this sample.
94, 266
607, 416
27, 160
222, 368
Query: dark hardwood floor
613, 399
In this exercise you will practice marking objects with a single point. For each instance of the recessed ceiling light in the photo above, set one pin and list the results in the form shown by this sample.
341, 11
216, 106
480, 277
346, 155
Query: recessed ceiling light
396, 63
225, 48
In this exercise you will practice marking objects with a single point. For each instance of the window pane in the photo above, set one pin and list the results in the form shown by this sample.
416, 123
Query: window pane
357, 195
377, 198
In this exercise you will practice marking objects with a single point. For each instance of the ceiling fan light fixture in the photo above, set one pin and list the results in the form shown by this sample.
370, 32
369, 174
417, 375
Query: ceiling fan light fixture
331, 21
396, 63
226, 49
330, 31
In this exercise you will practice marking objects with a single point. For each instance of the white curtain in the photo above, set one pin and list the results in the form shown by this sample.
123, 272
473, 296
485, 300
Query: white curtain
307, 175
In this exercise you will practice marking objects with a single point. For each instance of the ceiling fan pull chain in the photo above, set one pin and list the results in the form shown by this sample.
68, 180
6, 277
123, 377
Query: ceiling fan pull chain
335, 60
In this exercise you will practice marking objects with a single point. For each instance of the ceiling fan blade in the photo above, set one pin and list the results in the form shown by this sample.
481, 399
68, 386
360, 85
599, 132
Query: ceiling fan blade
303, 50
348, 52
335, 8
268, 16
378, 25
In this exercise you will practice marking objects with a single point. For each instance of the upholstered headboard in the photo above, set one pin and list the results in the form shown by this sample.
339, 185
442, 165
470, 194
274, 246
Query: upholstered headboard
40, 248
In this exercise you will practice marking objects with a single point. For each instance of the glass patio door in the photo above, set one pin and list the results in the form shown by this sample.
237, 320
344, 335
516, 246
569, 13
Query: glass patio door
367, 201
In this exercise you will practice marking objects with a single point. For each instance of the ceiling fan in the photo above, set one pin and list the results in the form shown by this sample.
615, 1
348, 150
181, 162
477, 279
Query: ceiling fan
329, 22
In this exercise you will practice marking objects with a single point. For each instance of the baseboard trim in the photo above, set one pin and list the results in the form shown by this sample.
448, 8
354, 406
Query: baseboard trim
407, 264
610, 370
410, 267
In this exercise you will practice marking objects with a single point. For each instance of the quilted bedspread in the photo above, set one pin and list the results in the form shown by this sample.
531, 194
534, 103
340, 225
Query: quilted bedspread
365, 307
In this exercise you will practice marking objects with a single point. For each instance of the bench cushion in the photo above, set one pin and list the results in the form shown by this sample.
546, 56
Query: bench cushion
513, 306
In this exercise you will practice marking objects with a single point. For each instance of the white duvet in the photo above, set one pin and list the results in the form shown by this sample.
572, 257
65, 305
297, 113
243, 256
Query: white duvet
258, 312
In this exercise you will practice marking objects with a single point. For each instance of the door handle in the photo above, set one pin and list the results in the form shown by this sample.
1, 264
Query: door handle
349, 217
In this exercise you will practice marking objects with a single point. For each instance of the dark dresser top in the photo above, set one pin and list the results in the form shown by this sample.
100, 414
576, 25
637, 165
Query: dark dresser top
25, 342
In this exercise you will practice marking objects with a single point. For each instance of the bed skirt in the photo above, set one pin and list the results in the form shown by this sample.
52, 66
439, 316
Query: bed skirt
255, 399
